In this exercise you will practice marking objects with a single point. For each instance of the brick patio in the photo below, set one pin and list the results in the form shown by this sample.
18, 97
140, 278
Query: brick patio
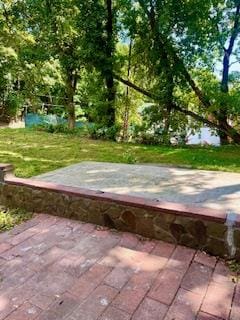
53, 268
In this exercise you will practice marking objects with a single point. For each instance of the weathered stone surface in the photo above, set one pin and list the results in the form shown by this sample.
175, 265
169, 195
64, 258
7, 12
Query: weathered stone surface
104, 205
164, 235
95, 215
173, 228
164, 220
80, 203
216, 230
237, 256
199, 232
216, 247
115, 210
237, 237
78, 209
177, 230
185, 221
142, 213
108, 221
188, 240
129, 220
144, 226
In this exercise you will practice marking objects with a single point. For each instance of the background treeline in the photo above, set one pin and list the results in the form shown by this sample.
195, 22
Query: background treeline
132, 67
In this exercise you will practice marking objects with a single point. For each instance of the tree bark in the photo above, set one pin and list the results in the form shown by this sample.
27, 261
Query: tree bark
71, 84
108, 73
163, 68
126, 110
222, 115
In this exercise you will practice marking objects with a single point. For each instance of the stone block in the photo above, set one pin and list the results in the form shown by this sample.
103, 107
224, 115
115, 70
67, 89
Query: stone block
144, 227
108, 221
237, 238
216, 247
177, 230
129, 220
161, 234
189, 241
163, 220
115, 211
199, 231
216, 230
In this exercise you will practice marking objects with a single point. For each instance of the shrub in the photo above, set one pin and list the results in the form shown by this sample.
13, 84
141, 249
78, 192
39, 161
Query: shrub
105, 133
59, 128
128, 157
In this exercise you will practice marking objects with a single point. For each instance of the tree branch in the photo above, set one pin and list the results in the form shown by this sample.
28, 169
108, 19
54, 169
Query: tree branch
174, 106
168, 48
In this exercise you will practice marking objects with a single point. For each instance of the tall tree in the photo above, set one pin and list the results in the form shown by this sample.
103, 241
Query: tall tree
186, 35
108, 72
100, 38
56, 28
234, 21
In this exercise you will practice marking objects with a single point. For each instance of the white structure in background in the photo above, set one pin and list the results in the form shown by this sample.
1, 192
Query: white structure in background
205, 137
13, 124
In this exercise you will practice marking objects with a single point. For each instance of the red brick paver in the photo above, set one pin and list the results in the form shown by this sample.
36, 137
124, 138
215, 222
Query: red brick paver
185, 306
57, 269
150, 309
218, 300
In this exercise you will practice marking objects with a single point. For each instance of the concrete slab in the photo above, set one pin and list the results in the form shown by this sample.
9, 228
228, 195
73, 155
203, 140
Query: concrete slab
212, 189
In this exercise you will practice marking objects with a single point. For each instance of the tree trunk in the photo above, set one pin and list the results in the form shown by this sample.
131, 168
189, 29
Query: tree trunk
127, 107
71, 115
71, 84
163, 67
222, 114
167, 124
111, 91
224, 137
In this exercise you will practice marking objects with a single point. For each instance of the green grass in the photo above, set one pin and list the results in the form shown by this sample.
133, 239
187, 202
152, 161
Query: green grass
11, 217
33, 152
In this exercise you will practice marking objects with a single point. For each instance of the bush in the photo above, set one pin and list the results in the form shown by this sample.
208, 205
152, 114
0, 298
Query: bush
105, 133
143, 135
59, 128
129, 157
156, 136
13, 104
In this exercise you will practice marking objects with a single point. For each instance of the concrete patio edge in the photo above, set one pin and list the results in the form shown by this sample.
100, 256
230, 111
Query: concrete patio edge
194, 226
167, 207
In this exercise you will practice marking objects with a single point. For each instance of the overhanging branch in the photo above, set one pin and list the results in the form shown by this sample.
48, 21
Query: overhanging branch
174, 106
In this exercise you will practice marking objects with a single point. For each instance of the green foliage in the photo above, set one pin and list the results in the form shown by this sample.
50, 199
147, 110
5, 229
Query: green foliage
153, 130
60, 128
234, 266
57, 55
129, 157
13, 103
104, 133
12, 217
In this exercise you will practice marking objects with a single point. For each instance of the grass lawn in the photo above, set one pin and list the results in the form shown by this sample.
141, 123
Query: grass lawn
34, 152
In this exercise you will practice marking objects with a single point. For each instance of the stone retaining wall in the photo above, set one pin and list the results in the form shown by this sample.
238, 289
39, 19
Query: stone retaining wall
200, 228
